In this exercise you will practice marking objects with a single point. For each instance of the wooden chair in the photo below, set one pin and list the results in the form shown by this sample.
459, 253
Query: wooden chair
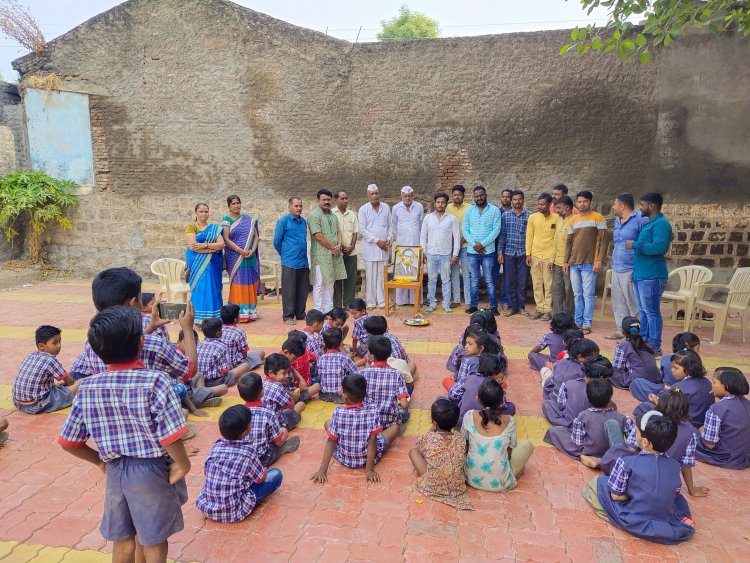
272, 278
390, 283
737, 300
607, 288
690, 278
169, 271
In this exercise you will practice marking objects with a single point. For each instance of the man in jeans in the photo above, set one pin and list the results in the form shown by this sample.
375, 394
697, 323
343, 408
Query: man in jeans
290, 241
628, 223
512, 253
458, 209
562, 291
505, 205
650, 267
584, 251
441, 241
480, 229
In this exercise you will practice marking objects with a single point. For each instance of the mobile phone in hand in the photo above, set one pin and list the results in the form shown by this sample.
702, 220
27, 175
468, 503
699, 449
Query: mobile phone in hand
171, 311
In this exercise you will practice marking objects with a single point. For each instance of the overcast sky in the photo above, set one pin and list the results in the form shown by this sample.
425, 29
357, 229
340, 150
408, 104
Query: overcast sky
342, 18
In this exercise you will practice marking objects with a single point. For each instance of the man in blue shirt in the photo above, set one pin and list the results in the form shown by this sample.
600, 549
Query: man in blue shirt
628, 224
650, 267
480, 229
290, 241
512, 253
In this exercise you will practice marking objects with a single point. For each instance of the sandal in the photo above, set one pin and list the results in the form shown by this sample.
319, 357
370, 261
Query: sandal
586, 329
291, 322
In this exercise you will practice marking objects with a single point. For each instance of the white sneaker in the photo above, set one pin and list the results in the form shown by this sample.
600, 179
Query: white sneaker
430, 309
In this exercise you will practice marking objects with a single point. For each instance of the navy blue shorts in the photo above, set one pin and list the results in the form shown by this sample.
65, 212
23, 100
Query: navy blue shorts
138, 500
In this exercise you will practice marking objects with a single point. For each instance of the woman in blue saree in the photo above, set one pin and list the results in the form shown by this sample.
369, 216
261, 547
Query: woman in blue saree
241, 235
204, 262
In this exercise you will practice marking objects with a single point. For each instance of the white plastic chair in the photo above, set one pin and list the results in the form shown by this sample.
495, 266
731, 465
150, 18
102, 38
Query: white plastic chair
690, 278
273, 278
607, 288
737, 300
169, 271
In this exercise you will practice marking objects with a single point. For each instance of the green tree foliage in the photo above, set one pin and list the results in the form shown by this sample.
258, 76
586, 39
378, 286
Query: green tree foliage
664, 21
38, 198
408, 25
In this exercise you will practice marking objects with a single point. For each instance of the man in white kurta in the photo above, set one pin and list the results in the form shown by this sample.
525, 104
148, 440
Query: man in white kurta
407, 221
375, 228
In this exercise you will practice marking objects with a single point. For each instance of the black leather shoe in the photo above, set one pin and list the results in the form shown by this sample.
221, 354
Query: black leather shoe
470, 310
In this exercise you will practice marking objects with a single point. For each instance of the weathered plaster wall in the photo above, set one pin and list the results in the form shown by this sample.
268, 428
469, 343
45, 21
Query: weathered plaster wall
13, 153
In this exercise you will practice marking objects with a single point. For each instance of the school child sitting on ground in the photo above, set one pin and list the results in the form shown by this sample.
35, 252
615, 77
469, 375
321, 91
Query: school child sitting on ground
148, 303
641, 388
333, 367
587, 439
572, 399
300, 383
476, 343
642, 494
377, 325
214, 358
275, 395
313, 340
634, 358
674, 405
439, 457
134, 420
403, 368
566, 368
386, 388
483, 320
690, 377
235, 481
269, 439
236, 339
725, 436
355, 436
490, 366
199, 394
336, 318
495, 457
42, 384
553, 340
358, 312
122, 286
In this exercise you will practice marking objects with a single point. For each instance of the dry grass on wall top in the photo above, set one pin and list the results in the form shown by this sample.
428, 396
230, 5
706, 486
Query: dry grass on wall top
47, 82
17, 23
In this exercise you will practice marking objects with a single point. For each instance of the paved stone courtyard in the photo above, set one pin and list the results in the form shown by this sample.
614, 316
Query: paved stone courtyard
50, 504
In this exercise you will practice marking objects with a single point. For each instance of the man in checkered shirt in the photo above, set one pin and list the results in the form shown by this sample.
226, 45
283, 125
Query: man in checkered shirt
134, 418
214, 357
355, 437
236, 481
333, 367
236, 339
34, 388
275, 395
386, 388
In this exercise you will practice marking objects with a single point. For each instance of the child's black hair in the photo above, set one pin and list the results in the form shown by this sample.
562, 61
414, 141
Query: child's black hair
45, 332
355, 387
491, 397
598, 367
115, 286
375, 325
690, 362
250, 386
674, 404
661, 431
230, 313
485, 343
294, 333
211, 328
314, 316
733, 380
472, 329
358, 304
570, 337
491, 364
332, 338
561, 322
338, 314
234, 421
115, 334
445, 413
685, 341
599, 392
491, 324
276, 362
181, 335
146, 298
479, 319
380, 347
584, 347
631, 328
294, 345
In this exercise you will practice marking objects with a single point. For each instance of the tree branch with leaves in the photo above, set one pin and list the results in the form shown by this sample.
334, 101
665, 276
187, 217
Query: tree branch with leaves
408, 25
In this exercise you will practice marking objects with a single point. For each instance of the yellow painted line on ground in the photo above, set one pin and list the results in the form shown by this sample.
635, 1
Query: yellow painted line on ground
13, 552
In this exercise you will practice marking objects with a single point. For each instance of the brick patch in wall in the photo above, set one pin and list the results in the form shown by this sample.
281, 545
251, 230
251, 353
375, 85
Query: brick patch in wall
452, 169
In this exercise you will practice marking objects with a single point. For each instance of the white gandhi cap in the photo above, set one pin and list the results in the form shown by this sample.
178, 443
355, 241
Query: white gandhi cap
372, 188
407, 190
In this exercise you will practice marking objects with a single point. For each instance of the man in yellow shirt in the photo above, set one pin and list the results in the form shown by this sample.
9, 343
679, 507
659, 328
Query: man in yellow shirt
540, 252
562, 290
458, 208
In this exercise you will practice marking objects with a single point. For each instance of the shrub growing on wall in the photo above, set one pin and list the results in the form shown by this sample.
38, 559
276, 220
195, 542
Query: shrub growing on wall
38, 198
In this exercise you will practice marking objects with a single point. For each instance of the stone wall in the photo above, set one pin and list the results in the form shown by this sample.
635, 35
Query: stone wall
194, 100
13, 154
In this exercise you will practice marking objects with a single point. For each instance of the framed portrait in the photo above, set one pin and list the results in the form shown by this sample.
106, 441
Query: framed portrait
406, 262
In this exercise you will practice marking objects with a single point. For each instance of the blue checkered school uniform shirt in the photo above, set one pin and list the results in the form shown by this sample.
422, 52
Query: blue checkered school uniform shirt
36, 375
385, 386
618, 478
231, 467
264, 427
314, 342
579, 431
236, 342
161, 332
351, 427
156, 354
213, 358
687, 459
469, 365
333, 367
276, 398
512, 238
712, 424
620, 361
397, 349
360, 334
128, 410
